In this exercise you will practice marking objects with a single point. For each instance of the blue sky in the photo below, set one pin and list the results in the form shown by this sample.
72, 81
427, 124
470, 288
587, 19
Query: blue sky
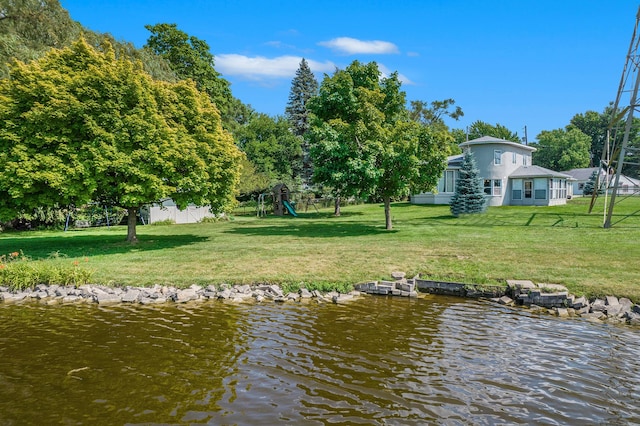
533, 63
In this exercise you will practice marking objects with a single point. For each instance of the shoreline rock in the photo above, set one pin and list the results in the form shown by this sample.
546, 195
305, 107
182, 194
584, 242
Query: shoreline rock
554, 299
543, 297
106, 295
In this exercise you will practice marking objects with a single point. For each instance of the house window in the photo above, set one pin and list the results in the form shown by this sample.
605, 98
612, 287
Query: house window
557, 189
514, 158
525, 160
493, 187
497, 157
540, 194
497, 187
517, 194
449, 181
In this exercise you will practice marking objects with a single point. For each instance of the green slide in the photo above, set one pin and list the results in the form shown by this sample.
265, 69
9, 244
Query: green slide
289, 208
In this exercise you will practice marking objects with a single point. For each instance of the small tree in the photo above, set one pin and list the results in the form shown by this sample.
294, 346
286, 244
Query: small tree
590, 185
469, 194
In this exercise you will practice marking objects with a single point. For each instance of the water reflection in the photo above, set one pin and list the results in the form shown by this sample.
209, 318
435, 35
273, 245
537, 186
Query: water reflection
375, 361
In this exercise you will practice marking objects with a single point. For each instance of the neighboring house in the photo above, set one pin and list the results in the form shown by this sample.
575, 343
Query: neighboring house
626, 186
508, 176
167, 210
581, 177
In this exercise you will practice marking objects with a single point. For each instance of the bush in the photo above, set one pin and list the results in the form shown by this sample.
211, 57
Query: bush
165, 222
19, 272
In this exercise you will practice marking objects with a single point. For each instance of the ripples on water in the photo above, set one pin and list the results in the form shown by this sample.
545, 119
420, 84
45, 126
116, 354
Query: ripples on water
436, 360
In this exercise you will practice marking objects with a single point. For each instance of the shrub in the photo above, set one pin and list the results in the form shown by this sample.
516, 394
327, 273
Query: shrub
19, 272
164, 222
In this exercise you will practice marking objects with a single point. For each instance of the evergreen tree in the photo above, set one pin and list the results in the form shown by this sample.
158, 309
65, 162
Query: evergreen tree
469, 195
303, 87
590, 185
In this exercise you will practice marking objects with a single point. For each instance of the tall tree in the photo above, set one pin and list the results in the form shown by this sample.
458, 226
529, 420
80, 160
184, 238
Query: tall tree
80, 125
363, 141
28, 28
562, 149
479, 129
191, 58
469, 194
271, 147
434, 112
303, 87
432, 115
594, 125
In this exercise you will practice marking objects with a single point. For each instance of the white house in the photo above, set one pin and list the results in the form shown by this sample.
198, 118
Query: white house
626, 186
507, 173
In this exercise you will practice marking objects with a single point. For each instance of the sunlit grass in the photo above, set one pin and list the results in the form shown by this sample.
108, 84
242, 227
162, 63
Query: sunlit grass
563, 245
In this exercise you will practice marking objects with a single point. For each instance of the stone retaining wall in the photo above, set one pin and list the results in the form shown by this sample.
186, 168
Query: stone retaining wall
552, 298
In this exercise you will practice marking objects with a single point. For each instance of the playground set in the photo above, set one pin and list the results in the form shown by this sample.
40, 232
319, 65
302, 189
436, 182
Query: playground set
282, 203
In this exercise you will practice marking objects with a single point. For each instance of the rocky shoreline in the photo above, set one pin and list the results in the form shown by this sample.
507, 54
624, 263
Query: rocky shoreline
105, 295
554, 299
546, 298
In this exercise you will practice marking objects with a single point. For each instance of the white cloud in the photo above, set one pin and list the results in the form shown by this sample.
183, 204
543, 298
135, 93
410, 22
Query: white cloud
352, 46
261, 68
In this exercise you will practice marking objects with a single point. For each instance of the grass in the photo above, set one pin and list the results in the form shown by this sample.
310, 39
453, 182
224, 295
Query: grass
561, 245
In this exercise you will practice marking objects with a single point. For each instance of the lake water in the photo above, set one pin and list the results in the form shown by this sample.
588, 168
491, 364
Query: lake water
377, 360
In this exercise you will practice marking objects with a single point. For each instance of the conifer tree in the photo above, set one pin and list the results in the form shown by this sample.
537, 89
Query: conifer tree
469, 195
590, 185
303, 87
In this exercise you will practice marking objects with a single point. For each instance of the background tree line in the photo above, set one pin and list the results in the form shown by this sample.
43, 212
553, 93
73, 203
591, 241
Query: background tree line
296, 147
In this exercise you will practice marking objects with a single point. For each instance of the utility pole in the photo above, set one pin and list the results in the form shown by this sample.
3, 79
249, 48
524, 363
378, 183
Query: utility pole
621, 122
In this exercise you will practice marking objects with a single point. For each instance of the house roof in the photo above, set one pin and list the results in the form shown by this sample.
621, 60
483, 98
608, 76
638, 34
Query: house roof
491, 140
537, 171
581, 174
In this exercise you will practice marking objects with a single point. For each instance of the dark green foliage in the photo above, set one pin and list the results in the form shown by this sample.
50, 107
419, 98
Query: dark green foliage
303, 87
28, 28
190, 58
271, 147
469, 194
479, 129
590, 185
562, 149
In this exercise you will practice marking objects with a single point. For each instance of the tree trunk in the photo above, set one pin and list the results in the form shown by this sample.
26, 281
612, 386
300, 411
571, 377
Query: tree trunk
132, 220
336, 210
387, 212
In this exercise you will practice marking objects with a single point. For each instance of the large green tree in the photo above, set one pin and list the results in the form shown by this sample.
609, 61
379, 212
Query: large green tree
362, 141
191, 58
594, 125
432, 115
597, 125
562, 149
271, 147
80, 125
479, 129
28, 28
303, 87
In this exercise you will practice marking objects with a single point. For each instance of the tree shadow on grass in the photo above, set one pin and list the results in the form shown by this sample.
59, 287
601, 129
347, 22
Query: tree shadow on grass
312, 230
78, 245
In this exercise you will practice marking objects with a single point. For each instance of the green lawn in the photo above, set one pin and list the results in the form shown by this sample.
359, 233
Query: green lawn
563, 245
